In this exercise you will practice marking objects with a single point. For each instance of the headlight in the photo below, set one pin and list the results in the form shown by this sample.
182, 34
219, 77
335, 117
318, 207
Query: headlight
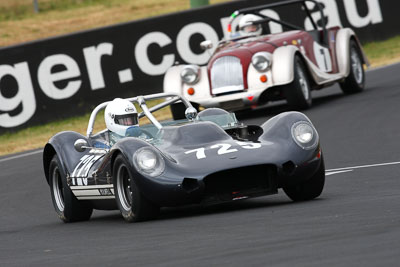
261, 61
304, 135
190, 74
148, 161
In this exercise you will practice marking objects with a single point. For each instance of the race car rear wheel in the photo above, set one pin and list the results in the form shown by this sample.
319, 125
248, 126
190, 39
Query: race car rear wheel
133, 205
298, 92
308, 189
67, 206
355, 82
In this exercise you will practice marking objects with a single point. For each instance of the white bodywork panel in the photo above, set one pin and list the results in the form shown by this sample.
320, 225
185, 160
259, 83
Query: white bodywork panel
172, 80
253, 79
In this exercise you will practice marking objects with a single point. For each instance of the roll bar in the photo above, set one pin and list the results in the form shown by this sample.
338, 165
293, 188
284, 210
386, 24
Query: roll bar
141, 100
256, 9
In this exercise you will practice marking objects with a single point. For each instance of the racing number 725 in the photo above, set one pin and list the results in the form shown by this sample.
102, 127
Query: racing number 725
223, 149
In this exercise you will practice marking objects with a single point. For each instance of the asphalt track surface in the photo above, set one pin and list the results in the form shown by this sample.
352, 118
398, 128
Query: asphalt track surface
356, 221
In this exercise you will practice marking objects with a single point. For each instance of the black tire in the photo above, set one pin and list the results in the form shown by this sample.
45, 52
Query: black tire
67, 206
298, 92
308, 189
178, 110
355, 82
132, 204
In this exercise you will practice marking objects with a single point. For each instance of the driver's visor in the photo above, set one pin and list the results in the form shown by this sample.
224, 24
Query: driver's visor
126, 119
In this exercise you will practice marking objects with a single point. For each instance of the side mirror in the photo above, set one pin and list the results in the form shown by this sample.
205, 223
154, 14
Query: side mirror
190, 113
207, 44
80, 145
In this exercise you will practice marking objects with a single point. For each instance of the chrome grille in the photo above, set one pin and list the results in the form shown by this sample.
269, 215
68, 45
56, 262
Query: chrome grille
226, 75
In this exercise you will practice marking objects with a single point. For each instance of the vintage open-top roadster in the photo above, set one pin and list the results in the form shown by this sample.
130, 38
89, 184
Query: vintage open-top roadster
251, 67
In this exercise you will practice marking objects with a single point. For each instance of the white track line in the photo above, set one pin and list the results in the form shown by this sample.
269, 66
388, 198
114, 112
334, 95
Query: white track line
21, 155
327, 173
365, 166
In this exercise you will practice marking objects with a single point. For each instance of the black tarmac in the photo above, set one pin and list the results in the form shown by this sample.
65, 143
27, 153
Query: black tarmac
355, 222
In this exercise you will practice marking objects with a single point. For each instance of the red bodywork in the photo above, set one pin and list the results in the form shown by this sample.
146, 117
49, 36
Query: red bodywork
245, 48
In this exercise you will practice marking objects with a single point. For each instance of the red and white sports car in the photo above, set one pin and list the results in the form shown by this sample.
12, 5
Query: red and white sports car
252, 68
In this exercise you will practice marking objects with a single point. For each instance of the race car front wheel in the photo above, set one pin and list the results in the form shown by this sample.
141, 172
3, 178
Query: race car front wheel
67, 206
133, 205
308, 189
355, 82
298, 92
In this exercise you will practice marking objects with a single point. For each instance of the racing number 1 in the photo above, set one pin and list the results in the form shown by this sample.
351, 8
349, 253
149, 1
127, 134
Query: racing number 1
223, 149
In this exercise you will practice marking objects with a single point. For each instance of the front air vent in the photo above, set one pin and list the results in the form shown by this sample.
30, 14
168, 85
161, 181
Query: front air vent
245, 181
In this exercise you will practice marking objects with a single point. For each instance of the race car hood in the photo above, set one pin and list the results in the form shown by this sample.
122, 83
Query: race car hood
203, 148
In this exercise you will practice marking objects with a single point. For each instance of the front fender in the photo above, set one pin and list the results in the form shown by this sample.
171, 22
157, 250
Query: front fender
343, 38
279, 129
127, 147
283, 64
172, 80
62, 144
174, 84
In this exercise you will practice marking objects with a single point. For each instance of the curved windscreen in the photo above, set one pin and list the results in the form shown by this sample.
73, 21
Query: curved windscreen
151, 133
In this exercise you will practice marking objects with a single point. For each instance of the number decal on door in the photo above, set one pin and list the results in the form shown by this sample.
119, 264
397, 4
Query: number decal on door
323, 58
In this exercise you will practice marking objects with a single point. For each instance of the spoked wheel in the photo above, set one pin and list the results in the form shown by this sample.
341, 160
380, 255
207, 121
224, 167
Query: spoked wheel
298, 92
308, 189
355, 82
67, 206
131, 203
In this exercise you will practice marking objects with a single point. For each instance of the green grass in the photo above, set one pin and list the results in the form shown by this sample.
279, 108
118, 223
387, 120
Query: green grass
21, 9
383, 53
19, 23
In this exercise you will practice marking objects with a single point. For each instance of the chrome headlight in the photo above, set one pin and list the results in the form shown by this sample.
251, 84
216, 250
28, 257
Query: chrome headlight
305, 135
148, 162
261, 61
190, 74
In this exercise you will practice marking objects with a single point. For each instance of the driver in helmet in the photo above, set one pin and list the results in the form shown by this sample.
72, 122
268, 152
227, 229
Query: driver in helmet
121, 119
247, 27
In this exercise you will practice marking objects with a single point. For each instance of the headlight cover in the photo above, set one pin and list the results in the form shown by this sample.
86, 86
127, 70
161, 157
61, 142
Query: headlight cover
148, 161
190, 74
305, 135
261, 61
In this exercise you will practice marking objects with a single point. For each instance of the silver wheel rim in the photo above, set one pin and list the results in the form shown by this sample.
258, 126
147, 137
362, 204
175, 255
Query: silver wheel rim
124, 188
58, 189
356, 66
303, 83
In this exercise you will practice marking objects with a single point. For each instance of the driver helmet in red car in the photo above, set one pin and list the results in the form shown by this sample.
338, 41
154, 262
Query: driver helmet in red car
247, 27
121, 117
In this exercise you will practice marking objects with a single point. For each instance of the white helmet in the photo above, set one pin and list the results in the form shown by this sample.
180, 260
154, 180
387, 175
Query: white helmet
120, 115
247, 28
